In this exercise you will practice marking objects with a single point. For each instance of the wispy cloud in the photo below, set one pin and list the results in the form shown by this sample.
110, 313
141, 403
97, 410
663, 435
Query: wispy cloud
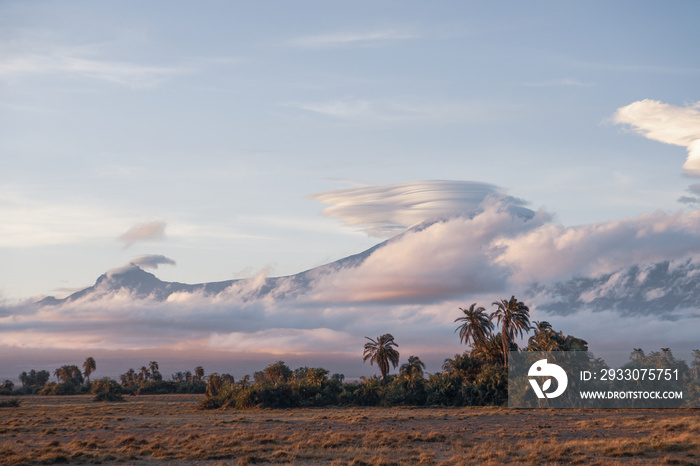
86, 62
150, 231
563, 82
367, 111
287, 341
29, 221
347, 39
666, 123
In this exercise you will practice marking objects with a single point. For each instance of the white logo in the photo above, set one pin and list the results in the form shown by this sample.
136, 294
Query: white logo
542, 369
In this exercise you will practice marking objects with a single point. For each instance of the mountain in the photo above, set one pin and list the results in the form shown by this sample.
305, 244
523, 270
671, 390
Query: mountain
663, 289
140, 284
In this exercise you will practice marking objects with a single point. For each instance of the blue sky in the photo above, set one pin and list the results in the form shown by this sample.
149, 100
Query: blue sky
206, 131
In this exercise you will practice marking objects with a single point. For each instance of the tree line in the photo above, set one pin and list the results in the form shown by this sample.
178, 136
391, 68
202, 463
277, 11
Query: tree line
476, 377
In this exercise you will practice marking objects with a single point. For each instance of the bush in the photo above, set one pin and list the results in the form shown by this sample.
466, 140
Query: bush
11, 403
106, 389
53, 388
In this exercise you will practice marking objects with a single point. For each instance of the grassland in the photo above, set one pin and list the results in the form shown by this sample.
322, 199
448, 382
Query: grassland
171, 429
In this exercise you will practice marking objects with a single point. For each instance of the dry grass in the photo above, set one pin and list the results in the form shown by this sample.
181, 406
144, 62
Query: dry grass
170, 428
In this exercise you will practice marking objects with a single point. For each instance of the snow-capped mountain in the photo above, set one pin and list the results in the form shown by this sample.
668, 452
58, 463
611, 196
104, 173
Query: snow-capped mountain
661, 289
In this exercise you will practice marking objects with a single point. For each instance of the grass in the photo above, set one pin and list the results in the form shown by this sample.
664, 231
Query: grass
171, 429
11, 403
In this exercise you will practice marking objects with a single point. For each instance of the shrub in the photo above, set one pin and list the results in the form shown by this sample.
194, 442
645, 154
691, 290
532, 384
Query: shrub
11, 403
106, 389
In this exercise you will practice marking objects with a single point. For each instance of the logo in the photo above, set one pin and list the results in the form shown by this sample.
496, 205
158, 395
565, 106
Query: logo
542, 369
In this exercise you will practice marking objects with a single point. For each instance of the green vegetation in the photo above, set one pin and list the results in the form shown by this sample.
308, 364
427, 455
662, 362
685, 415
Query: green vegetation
382, 352
477, 377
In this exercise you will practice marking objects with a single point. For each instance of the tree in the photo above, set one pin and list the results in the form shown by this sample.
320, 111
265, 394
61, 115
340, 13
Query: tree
514, 317
696, 364
153, 367
476, 325
198, 373
490, 351
637, 355
463, 366
214, 384
34, 378
412, 371
69, 374
381, 352
89, 366
546, 339
277, 373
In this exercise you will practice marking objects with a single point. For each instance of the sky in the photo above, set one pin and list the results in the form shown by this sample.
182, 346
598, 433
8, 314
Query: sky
252, 139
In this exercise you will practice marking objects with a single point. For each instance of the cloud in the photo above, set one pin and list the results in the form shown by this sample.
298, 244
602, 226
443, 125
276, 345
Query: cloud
553, 251
348, 39
287, 341
693, 189
436, 261
143, 232
666, 123
387, 111
32, 221
384, 210
688, 200
151, 261
30, 57
567, 82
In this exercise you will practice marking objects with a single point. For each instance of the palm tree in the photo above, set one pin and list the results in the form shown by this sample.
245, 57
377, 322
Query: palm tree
514, 317
153, 366
62, 374
245, 380
476, 325
381, 352
490, 351
89, 367
199, 373
144, 375
412, 371
637, 354
696, 364
213, 385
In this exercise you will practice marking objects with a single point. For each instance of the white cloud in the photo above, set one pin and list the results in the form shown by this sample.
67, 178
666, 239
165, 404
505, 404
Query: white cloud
553, 251
388, 111
287, 341
384, 210
37, 222
345, 39
27, 58
564, 82
150, 231
666, 123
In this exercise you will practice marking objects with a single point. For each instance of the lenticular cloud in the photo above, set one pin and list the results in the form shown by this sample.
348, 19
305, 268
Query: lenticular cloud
666, 123
388, 209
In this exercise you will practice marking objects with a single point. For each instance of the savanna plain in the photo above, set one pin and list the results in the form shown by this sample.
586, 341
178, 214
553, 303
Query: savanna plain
172, 429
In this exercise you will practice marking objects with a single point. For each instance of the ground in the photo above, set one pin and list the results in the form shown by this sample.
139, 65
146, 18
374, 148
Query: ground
171, 429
